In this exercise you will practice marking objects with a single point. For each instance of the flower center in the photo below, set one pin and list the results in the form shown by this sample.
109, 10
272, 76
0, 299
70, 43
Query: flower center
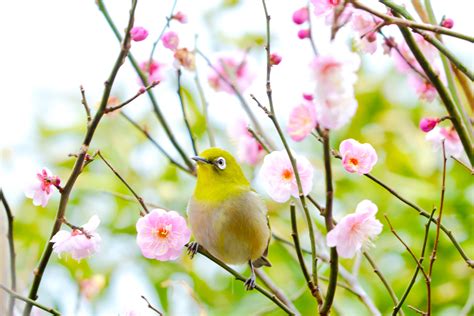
163, 232
287, 174
354, 161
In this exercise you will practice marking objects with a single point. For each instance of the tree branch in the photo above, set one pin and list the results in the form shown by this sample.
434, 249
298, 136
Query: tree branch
11, 248
29, 301
185, 117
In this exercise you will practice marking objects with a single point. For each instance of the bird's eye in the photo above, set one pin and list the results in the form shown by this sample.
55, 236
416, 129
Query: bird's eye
220, 163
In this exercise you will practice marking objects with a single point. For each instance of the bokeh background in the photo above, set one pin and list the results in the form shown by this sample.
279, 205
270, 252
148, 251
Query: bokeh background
50, 48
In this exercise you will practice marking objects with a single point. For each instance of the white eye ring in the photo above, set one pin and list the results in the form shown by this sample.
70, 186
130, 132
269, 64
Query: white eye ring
220, 163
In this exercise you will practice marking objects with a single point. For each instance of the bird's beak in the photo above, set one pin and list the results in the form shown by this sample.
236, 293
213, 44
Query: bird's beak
200, 159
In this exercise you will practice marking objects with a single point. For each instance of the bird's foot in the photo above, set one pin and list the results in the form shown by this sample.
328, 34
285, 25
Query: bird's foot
192, 249
250, 283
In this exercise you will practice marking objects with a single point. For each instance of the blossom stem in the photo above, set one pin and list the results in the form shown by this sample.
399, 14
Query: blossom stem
85, 104
155, 143
185, 117
11, 248
143, 78
411, 24
413, 279
310, 28
438, 224
39, 271
259, 139
14, 294
151, 306
241, 278
333, 261
139, 199
139, 93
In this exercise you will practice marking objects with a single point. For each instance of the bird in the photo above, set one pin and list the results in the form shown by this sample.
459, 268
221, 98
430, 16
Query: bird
227, 217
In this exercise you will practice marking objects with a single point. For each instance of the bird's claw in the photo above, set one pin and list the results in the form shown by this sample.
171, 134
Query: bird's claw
192, 249
250, 283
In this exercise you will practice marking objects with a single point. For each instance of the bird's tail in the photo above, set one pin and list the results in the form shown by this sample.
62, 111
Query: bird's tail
262, 261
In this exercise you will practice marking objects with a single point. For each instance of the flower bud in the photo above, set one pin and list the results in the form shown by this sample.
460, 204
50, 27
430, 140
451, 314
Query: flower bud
447, 23
300, 16
275, 59
138, 33
305, 33
428, 123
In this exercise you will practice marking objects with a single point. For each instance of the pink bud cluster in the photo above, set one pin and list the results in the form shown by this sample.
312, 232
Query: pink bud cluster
301, 16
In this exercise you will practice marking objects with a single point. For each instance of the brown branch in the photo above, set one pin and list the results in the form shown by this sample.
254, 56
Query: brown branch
85, 104
185, 117
11, 248
29, 301
39, 271
139, 93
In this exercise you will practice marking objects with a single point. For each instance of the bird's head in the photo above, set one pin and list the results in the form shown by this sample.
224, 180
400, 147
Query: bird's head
217, 170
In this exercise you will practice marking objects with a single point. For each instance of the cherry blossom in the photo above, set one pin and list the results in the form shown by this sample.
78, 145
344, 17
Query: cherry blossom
180, 17
162, 235
356, 157
404, 58
138, 33
79, 243
40, 191
302, 121
170, 40
323, 7
279, 179
452, 142
91, 287
355, 230
428, 123
248, 149
423, 88
335, 74
234, 69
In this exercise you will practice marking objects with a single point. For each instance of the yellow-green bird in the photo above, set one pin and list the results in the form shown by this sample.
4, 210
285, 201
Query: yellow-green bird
226, 216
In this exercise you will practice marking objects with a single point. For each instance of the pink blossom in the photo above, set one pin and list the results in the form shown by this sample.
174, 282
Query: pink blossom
235, 70
180, 17
76, 243
302, 121
153, 71
162, 235
357, 157
424, 89
335, 75
368, 44
279, 179
138, 33
91, 287
304, 33
452, 142
428, 123
301, 15
275, 59
447, 23
355, 230
40, 191
170, 40
248, 148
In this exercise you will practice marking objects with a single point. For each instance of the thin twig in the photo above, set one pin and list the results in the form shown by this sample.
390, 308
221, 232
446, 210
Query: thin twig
436, 241
241, 278
296, 241
29, 301
139, 199
78, 166
131, 198
259, 139
471, 170
412, 24
139, 93
276, 290
310, 28
85, 104
77, 228
185, 117
11, 248
151, 306
422, 257
156, 144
